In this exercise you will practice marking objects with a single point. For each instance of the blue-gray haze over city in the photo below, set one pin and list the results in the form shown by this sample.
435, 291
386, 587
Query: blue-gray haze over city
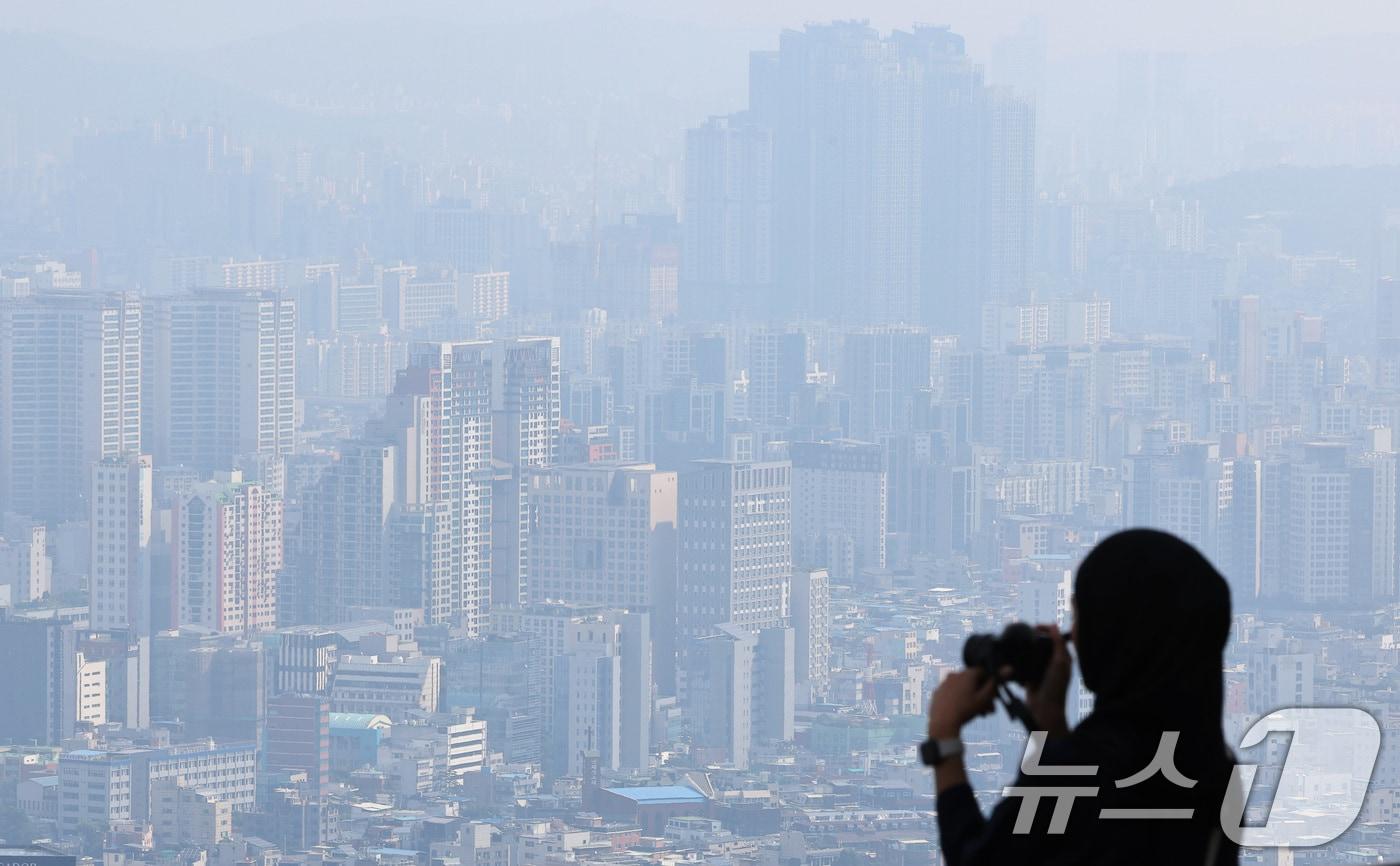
519, 434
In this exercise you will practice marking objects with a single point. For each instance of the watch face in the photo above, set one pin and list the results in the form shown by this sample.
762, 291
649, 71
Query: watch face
929, 752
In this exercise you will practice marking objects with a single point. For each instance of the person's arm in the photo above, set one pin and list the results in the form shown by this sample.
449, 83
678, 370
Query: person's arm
965, 836
1046, 699
960, 698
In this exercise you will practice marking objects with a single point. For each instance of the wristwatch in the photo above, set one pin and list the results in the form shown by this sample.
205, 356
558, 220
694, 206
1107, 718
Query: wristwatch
935, 752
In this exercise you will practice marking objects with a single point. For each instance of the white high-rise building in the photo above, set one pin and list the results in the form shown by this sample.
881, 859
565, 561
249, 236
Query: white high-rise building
226, 555
811, 625
119, 585
440, 419
220, 378
735, 545
70, 385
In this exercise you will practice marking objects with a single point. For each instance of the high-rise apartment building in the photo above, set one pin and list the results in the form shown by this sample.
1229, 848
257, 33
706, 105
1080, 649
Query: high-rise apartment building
216, 684
1308, 523
1374, 544
339, 547
220, 382
70, 385
119, 585
227, 555
728, 228
417, 566
525, 416
412, 304
440, 419
901, 185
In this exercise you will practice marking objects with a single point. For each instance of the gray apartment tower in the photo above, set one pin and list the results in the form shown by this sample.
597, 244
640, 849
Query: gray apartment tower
220, 377
70, 385
872, 179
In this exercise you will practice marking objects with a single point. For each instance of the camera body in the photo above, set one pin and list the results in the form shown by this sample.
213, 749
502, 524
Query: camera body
1019, 647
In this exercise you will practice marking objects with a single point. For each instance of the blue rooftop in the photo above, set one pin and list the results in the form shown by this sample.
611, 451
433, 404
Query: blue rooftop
660, 794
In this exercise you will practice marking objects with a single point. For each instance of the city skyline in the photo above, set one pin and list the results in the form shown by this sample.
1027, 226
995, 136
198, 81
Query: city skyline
469, 448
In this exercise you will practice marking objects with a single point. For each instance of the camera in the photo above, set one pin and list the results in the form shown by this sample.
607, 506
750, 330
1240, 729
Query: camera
1023, 649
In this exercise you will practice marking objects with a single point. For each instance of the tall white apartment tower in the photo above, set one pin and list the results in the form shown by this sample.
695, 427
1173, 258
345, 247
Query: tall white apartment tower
439, 416
119, 585
735, 545
70, 385
226, 555
220, 378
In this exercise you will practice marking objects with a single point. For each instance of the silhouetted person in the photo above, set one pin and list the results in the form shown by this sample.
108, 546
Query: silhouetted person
1151, 617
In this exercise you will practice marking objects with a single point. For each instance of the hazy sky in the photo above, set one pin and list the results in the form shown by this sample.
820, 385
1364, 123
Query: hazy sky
1073, 26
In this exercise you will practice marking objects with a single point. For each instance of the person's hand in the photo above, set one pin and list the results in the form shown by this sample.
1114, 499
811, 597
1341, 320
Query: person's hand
960, 698
1046, 699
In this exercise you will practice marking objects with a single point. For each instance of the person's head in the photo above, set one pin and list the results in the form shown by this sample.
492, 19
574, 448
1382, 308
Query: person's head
1151, 618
